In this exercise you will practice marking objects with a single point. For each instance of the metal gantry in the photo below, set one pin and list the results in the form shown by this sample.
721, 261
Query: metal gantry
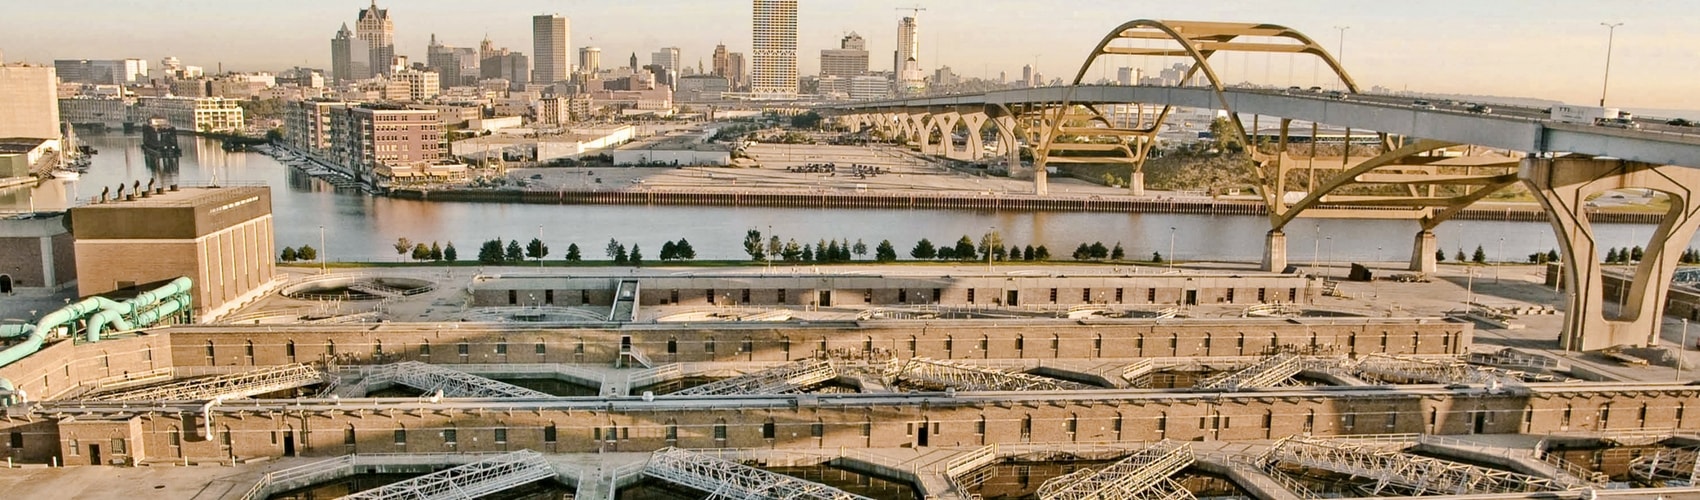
783, 379
1389, 468
466, 482
734, 481
230, 386
454, 384
1269, 372
941, 374
1667, 464
1405, 368
1141, 476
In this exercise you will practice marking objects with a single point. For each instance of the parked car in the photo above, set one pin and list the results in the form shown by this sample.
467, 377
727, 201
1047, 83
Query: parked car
1480, 109
1422, 104
1336, 95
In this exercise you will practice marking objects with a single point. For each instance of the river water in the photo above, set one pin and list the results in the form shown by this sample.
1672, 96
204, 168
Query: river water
363, 227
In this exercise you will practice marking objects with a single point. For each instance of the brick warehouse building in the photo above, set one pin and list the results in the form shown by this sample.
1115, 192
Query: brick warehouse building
221, 238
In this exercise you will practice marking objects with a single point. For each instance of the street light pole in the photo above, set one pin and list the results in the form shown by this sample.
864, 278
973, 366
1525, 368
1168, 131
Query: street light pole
323, 255
993, 230
1680, 348
539, 246
1171, 248
1316, 249
1605, 83
770, 250
1340, 54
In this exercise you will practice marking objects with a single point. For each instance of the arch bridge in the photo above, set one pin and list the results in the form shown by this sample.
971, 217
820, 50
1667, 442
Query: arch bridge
1423, 163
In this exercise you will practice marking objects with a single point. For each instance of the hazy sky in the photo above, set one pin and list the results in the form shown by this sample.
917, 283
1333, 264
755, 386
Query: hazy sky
1551, 49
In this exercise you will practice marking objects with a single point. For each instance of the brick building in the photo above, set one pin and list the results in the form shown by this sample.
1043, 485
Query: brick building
35, 253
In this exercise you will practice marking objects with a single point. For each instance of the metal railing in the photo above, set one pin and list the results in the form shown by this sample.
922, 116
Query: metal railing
726, 479
965, 377
474, 480
1143, 475
1390, 469
1267, 373
783, 379
453, 383
236, 385
652, 376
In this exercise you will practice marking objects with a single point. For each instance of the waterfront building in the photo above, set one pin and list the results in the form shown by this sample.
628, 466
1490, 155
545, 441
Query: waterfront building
31, 102
378, 31
307, 126
687, 148
362, 137
551, 44
906, 63
774, 33
350, 57
102, 71
221, 238
110, 112
849, 59
199, 114
19, 157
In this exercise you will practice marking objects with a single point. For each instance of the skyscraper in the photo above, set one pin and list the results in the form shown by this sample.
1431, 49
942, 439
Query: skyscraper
667, 57
736, 73
906, 66
850, 59
774, 37
590, 60
350, 57
374, 27
551, 46
721, 61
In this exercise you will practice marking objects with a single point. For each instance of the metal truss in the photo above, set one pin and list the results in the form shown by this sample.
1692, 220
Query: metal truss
1266, 373
734, 481
1391, 469
453, 383
231, 386
965, 377
1141, 476
474, 480
372, 287
785, 379
1679, 464
1437, 371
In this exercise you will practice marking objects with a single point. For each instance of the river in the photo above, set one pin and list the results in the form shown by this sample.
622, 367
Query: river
363, 227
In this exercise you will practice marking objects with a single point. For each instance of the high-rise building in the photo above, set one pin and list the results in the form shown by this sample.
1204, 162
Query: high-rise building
1124, 76
409, 136
633, 65
850, 59
445, 61
343, 57
736, 72
31, 98
551, 46
667, 57
906, 65
590, 60
1027, 75
307, 126
722, 61
774, 36
375, 27
201, 114
101, 72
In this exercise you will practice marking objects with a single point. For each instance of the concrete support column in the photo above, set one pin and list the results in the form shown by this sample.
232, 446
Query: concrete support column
1136, 183
1040, 186
1274, 251
1422, 252
973, 147
1563, 187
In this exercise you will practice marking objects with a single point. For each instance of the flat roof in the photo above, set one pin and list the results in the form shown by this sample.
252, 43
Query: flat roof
677, 142
185, 196
19, 145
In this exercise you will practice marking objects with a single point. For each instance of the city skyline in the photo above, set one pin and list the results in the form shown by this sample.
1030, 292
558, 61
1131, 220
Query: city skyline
1559, 54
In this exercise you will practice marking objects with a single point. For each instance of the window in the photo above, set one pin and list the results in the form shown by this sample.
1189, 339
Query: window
502, 348
513, 297
768, 429
463, 349
745, 298
980, 426
747, 345
903, 296
16, 440
175, 437
708, 345
867, 428
1605, 414
209, 349
1020, 342
781, 298
938, 293
119, 446
1118, 295
348, 436
501, 435
817, 429
913, 344
1564, 418
541, 350
710, 295
1230, 296
672, 345
1026, 427
549, 296
377, 348
288, 350
449, 437
1261, 293
584, 297
1151, 295
1310, 421
425, 350
1086, 295
248, 350
1071, 424
970, 295
330, 347
1053, 295
868, 296
672, 431
720, 430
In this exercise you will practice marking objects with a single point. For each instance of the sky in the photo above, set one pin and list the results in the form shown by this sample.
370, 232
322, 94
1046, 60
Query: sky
1550, 49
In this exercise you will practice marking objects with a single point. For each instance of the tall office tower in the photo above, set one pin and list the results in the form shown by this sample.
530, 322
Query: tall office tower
375, 27
906, 66
774, 30
736, 73
1027, 75
551, 48
350, 57
446, 61
850, 59
31, 97
721, 61
590, 60
667, 57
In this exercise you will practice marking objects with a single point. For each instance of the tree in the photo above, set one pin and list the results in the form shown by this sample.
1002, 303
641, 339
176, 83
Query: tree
1082, 252
752, 245
536, 249
775, 248
684, 252
1117, 253
668, 251
620, 256
436, 254
1439, 255
307, 253
1027, 253
991, 244
860, 249
808, 253
490, 252
450, 254
1041, 253
288, 254
1635, 254
421, 252
1611, 256
637, 257
923, 250
948, 253
965, 248
1552, 255
573, 254
884, 252
615, 249
1459, 256
402, 246
1156, 257
832, 251
792, 251
1480, 257
1099, 251
514, 253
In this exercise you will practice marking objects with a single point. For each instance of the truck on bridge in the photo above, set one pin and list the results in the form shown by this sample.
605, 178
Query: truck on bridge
1594, 115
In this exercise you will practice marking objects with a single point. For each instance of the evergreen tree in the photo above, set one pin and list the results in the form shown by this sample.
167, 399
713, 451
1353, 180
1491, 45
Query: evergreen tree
884, 252
614, 249
1099, 251
289, 254
1156, 258
947, 253
999, 252
1480, 257
1552, 255
620, 256
1117, 253
923, 250
792, 251
1611, 256
490, 252
668, 250
1459, 256
965, 248
637, 256
808, 254
421, 252
752, 246
831, 252
536, 249
860, 249
1635, 254
683, 250
450, 254
1082, 252
1027, 253
573, 254
307, 253
436, 252
1041, 253
1440, 256
1015, 252
514, 253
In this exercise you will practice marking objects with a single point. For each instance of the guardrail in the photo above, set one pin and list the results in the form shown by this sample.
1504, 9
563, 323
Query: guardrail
346, 462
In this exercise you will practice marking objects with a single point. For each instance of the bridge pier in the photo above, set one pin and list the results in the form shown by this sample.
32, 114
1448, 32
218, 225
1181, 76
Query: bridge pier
1563, 187
1274, 251
1136, 183
1422, 252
